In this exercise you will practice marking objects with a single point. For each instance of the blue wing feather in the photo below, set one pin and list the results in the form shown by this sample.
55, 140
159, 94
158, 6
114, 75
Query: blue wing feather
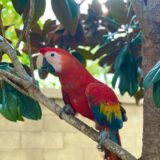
109, 119
104, 106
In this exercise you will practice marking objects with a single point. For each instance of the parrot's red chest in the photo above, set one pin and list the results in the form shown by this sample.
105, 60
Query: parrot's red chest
74, 87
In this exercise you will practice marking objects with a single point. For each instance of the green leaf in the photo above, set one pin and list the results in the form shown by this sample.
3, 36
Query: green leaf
153, 76
29, 108
74, 9
109, 59
108, 47
67, 12
80, 57
9, 105
86, 53
19, 5
132, 20
111, 24
114, 80
38, 10
123, 84
5, 66
156, 93
138, 39
117, 10
121, 57
14, 105
126, 69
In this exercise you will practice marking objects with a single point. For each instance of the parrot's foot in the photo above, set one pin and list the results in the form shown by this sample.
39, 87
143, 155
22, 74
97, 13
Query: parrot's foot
67, 109
102, 136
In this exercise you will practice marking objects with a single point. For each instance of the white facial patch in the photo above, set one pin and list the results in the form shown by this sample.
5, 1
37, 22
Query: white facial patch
55, 60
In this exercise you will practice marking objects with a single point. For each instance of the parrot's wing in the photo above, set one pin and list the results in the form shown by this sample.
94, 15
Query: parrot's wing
66, 100
104, 105
65, 97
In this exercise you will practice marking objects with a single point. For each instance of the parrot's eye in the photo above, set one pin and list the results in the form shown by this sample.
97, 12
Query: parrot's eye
52, 54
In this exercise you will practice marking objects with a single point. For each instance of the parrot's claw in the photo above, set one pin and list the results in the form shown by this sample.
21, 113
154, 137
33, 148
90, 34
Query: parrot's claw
67, 109
102, 136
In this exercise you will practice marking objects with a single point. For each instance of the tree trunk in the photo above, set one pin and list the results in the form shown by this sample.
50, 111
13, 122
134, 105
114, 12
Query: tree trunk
149, 19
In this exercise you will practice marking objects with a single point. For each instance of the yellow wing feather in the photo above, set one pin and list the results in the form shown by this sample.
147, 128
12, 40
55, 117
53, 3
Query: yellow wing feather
108, 111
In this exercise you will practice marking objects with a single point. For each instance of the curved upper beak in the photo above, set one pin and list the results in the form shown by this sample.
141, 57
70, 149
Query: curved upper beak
47, 67
43, 64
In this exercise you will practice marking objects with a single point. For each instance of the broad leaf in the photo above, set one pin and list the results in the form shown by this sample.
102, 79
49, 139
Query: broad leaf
153, 76
38, 10
80, 57
67, 12
108, 47
109, 58
9, 107
126, 69
156, 93
86, 53
138, 39
22, 7
110, 23
117, 10
29, 108
14, 105
19, 5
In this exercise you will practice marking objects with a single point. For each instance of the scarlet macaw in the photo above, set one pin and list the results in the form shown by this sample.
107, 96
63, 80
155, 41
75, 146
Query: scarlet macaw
86, 95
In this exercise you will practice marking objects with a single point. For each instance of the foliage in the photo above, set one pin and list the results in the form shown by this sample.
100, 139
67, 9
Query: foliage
15, 105
69, 16
153, 78
113, 39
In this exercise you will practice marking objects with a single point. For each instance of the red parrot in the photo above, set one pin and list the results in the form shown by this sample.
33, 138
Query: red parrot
86, 95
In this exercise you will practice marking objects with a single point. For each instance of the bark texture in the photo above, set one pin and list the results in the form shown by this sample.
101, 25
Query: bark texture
149, 19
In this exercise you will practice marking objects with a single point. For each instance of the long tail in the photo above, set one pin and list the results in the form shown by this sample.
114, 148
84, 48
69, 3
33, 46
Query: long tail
116, 138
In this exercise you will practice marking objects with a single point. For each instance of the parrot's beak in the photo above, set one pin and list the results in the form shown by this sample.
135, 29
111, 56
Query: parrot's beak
45, 64
47, 67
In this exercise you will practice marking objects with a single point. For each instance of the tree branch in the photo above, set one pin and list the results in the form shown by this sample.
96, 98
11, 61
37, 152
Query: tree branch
27, 34
14, 85
6, 47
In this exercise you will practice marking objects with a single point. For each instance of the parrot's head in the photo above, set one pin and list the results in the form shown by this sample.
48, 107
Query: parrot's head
56, 57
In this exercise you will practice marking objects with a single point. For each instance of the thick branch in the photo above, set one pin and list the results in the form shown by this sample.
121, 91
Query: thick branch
14, 85
27, 34
36, 94
149, 20
22, 34
6, 47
